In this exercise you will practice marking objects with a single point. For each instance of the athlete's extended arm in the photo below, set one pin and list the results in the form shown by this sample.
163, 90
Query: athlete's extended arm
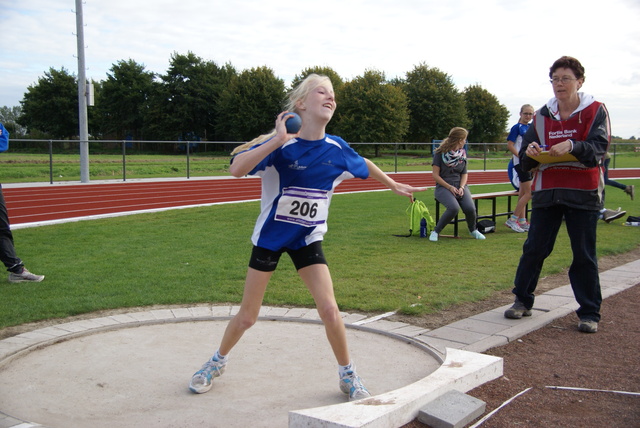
398, 188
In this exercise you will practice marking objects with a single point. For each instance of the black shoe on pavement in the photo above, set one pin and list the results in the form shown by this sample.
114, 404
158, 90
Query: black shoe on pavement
517, 311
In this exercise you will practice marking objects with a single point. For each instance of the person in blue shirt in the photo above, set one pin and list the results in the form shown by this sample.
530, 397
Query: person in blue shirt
518, 220
299, 173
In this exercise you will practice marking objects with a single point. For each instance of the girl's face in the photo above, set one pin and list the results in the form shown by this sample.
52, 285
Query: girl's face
526, 115
320, 102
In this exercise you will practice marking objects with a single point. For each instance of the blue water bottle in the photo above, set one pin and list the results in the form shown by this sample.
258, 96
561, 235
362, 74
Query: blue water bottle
423, 228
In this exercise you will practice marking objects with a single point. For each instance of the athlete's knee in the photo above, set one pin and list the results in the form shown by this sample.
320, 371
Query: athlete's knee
244, 320
329, 313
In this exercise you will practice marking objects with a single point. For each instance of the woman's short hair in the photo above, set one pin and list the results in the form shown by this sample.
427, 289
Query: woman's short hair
570, 63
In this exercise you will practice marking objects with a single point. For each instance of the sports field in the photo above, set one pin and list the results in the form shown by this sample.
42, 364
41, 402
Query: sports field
199, 255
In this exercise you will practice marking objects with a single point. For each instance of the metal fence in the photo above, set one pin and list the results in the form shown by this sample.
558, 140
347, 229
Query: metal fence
478, 151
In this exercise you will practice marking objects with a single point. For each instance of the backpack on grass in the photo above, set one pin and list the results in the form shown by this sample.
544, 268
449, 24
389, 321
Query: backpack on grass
486, 226
417, 211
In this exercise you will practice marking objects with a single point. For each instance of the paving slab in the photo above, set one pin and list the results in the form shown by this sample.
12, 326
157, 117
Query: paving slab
453, 409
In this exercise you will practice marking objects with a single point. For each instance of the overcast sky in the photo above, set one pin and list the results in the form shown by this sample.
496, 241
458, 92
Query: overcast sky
506, 46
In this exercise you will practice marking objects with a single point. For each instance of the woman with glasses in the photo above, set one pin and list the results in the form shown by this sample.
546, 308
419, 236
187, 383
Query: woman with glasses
574, 129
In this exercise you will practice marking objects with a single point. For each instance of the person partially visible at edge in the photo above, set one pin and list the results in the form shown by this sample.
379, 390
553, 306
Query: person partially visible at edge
571, 122
299, 173
627, 188
606, 214
15, 266
518, 220
450, 174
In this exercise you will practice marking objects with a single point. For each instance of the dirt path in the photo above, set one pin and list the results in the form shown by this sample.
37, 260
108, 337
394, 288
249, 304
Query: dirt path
559, 355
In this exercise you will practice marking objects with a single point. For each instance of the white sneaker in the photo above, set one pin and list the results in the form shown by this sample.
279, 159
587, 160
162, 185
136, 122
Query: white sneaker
513, 224
25, 276
433, 237
351, 384
476, 234
201, 381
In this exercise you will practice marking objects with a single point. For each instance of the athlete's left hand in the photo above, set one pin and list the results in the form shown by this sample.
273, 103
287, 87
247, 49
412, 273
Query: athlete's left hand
406, 190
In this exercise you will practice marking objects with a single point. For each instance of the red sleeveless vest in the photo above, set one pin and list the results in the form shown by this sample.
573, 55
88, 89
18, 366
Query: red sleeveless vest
566, 175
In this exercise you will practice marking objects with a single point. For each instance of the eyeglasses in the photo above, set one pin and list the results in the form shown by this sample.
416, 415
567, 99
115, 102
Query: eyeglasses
565, 80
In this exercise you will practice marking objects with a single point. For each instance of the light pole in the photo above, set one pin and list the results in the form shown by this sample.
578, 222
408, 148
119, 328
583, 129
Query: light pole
82, 98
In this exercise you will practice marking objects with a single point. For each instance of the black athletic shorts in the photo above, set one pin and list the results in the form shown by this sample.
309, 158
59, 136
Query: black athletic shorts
523, 176
267, 260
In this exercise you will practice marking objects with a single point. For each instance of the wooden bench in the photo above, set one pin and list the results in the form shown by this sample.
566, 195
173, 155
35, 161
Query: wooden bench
484, 196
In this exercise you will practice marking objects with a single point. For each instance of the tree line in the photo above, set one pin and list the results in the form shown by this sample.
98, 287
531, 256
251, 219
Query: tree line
199, 100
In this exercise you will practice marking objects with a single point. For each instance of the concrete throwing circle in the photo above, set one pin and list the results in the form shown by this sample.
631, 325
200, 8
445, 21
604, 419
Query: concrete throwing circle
138, 376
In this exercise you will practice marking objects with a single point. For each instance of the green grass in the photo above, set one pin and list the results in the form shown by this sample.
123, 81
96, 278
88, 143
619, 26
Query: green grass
200, 255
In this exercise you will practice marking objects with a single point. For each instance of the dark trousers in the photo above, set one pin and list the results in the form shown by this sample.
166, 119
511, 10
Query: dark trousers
7, 250
608, 182
583, 273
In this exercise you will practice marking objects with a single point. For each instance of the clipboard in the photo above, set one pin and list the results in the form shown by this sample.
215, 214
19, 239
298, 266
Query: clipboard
545, 157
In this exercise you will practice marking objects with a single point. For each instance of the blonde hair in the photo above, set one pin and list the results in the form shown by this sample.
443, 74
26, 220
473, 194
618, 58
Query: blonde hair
525, 106
299, 93
456, 135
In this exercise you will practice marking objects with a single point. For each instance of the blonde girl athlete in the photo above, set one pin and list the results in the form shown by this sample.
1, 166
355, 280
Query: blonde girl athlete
299, 174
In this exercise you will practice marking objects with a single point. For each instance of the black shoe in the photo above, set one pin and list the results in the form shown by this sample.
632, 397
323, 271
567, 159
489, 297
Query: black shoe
517, 311
588, 326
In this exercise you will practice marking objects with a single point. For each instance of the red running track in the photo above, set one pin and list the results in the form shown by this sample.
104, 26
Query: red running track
45, 203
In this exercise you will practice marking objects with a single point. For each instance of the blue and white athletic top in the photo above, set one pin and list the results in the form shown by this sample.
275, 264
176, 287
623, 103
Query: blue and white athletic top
298, 180
517, 132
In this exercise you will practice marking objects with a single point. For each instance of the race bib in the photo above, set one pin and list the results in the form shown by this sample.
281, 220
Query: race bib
306, 207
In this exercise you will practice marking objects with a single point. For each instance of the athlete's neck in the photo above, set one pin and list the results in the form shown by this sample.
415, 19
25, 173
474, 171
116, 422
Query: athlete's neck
312, 133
